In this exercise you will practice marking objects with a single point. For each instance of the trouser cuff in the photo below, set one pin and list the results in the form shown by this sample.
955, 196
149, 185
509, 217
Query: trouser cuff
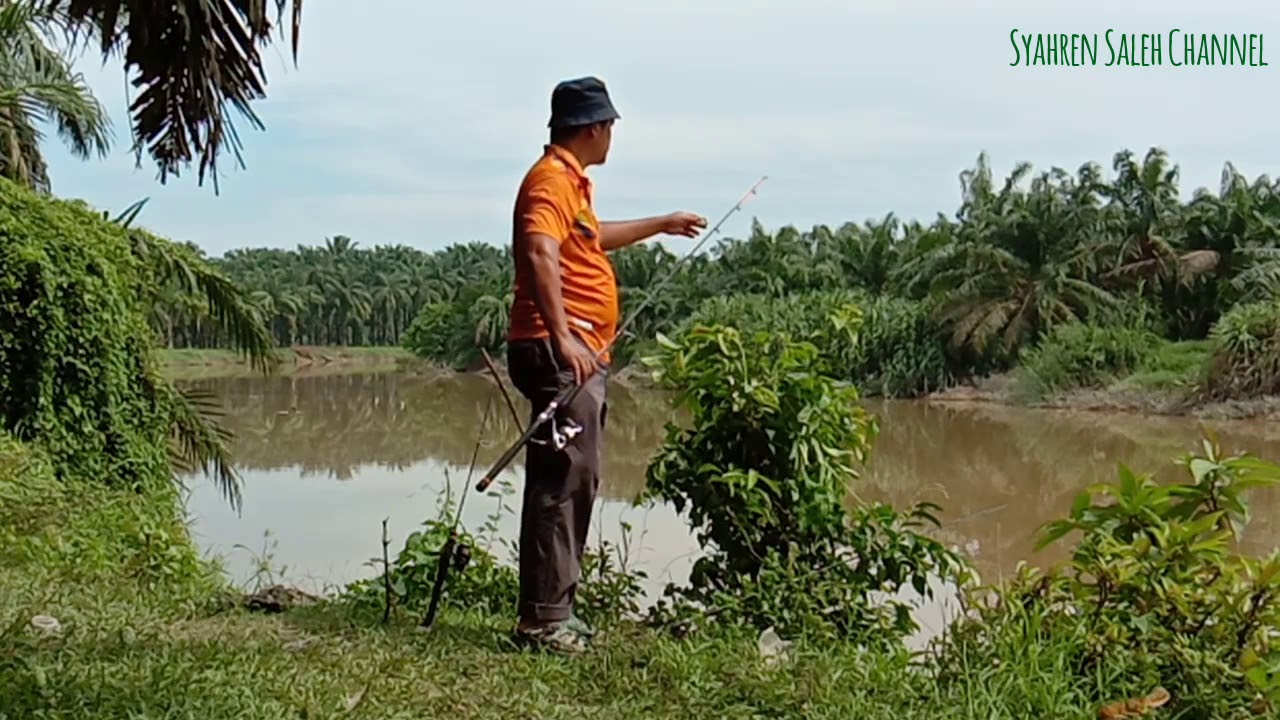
543, 613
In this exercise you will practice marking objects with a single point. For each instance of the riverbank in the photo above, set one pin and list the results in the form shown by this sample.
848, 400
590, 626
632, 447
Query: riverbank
1161, 393
1120, 397
140, 626
296, 359
1165, 391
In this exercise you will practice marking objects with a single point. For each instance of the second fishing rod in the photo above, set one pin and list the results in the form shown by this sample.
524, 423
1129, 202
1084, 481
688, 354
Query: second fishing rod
566, 396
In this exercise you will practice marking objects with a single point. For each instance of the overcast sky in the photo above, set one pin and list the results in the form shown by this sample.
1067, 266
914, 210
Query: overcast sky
414, 124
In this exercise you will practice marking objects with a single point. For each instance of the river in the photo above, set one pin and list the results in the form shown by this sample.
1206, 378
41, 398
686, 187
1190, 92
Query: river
326, 458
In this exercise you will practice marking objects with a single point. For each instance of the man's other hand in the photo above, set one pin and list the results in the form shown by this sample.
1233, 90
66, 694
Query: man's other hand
581, 359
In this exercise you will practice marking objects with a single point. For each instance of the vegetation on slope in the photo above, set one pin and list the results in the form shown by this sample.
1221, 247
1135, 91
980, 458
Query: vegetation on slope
80, 374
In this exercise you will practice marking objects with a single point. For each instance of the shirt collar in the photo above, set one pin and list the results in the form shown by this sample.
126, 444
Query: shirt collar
570, 162
567, 158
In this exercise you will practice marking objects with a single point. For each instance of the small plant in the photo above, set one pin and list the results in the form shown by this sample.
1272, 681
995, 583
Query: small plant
610, 589
764, 474
479, 580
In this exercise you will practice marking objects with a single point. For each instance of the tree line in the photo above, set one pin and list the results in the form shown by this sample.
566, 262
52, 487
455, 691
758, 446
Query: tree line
1017, 260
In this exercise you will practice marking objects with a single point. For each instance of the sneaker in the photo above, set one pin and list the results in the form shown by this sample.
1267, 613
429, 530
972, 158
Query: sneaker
577, 625
558, 638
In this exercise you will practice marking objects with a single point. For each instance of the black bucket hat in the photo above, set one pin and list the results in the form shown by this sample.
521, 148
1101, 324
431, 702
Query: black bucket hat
581, 101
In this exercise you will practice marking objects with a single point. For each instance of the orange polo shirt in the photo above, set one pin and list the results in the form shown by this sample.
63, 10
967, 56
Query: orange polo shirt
555, 200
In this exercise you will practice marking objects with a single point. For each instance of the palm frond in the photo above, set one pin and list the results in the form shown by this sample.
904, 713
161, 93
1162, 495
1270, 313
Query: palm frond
198, 441
1198, 262
194, 60
37, 83
236, 315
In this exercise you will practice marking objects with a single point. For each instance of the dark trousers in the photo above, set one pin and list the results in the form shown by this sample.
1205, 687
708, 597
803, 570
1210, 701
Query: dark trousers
560, 485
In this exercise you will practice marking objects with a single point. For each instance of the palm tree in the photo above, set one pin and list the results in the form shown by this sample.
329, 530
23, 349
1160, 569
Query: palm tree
193, 59
1017, 264
37, 84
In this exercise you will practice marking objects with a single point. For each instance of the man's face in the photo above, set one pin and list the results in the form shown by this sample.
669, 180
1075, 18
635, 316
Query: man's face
603, 136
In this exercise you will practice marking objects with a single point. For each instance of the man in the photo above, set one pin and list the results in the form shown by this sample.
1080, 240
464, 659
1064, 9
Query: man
564, 314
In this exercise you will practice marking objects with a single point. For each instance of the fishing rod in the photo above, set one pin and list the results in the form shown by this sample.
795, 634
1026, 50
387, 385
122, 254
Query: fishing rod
559, 438
453, 553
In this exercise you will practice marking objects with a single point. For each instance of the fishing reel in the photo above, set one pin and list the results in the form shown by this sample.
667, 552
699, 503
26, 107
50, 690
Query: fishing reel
461, 556
560, 434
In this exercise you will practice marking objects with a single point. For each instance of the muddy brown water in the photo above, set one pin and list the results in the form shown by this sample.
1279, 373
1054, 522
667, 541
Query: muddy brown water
325, 459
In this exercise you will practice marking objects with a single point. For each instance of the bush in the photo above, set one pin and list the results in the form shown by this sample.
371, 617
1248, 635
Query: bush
478, 580
1245, 360
899, 353
76, 366
1076, 355
764, 473
431, 334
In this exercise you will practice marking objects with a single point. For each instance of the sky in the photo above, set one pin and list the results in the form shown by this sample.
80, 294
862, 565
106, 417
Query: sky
413, 124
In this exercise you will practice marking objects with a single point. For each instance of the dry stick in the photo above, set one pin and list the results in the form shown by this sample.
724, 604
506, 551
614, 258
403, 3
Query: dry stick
502, 386
386, 571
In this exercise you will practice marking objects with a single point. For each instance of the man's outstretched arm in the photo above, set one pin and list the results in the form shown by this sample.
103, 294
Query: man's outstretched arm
621, 233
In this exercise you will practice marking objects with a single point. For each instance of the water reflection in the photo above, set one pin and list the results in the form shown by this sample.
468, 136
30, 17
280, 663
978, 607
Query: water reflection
326, 458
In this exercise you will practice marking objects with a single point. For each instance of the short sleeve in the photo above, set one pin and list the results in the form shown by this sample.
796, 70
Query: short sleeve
546, 209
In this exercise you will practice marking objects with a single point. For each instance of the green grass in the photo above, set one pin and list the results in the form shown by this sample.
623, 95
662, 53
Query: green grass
148, 632
1174, 366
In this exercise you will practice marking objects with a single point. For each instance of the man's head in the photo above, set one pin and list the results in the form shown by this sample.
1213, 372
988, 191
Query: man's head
582, 117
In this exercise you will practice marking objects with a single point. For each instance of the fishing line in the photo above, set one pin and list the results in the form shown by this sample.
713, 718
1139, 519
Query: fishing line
567, 395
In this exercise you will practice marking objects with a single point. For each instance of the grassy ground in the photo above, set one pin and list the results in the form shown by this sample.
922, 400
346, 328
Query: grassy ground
147, 633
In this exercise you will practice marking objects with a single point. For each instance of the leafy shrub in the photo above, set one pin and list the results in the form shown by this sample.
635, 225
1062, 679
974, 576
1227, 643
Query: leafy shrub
1076, 355
431, 334
1153, 595
484, 583
84, 530
764, 473
76, 366
1172, 366
899, 352
1245, 360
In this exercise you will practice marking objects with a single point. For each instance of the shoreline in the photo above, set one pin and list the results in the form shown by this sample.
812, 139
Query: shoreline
996, 390
207, 363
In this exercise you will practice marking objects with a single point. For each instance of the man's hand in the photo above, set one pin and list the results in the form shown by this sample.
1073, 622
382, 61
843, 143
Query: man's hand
683, 223
619, 234
579, 357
